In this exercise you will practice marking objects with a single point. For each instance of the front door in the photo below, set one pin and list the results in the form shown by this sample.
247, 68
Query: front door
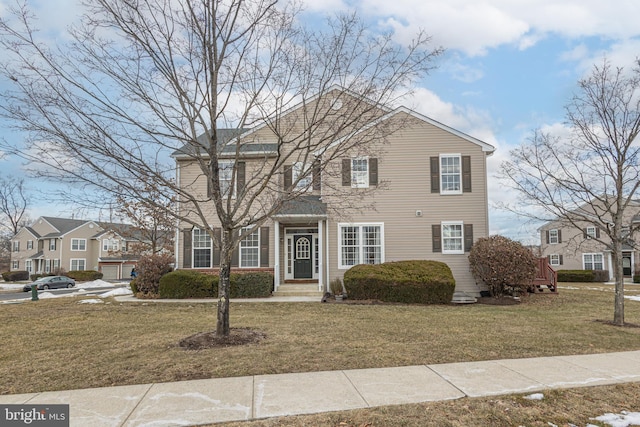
626, 265
303, 256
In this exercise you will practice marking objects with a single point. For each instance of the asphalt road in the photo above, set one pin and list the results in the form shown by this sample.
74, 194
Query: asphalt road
4, 296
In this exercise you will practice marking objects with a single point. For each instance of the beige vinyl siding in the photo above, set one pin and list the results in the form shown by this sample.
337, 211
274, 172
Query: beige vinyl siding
405, 168
90, 254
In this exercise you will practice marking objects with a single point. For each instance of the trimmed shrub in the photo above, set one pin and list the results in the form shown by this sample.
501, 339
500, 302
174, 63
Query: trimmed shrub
133, 286
601, 275
419, 282
150, 269
84, 275
187, 284
35, 277
15, 276
502, 264
577, 276
249, 285
194, 284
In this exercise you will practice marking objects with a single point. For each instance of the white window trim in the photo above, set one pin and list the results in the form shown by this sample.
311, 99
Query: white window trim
354, 182
28, 265
84, 260
299, 168
79, 250
15, 264
111, 244
29, 245
193, 249
593, 262
557, 237
52, 244
452, 252
231, 164
240, 249
360, 243
557, 259
15, 247
447, 155
591, 232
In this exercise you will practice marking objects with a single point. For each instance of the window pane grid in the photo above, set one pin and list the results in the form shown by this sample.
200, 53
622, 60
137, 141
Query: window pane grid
361, 244
450, 173
250, 250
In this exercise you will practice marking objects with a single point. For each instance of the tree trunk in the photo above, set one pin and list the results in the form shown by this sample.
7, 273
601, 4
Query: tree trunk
222, 325
618, 312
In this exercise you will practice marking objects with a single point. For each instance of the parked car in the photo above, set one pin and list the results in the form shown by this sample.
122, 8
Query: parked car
51, 282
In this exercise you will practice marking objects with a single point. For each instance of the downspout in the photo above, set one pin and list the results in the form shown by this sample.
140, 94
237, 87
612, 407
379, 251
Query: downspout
176, 240
327, 279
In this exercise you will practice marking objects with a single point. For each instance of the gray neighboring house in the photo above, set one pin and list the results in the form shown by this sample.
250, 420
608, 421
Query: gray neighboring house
60, 244
433, 206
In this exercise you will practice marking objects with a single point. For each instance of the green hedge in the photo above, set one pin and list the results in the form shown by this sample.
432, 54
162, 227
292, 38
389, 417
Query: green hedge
84, 275
193, 284
583, 275
15, 276
421, 282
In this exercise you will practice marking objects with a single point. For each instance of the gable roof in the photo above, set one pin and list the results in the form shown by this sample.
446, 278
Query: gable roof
225, 136
63, 225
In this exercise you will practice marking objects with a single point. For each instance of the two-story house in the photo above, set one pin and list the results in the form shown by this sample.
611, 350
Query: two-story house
429, 202
50, 245
575, 246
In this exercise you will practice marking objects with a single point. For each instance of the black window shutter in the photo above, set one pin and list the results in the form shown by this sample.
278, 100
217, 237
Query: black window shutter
217, 239
560, 259
186, 248
559, 236
317, 175
435, 174
468, 237
208, 186
241, 177
466, 174
436, 237
547, 236
597, 233
288, 177
346, 172
373, 171
264, 246
235, 255
584, 233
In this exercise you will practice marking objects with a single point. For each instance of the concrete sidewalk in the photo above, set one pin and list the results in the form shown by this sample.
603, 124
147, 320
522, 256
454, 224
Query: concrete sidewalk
196, 402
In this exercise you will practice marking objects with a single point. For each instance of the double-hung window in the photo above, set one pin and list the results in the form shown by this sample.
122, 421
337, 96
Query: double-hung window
16, 246
226, 178
110, 245
452, 238
302, 174
360, 172
78, 244
52, 244
553, 237
201, 249
29, 245
593, 261
450, 174
250, 250
554, 259
78, 264
360, 244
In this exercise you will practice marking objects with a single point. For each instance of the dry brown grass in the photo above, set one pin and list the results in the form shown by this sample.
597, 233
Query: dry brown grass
573, 407
60, 344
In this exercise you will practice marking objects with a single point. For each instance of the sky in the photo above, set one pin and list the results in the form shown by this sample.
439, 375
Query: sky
509, 68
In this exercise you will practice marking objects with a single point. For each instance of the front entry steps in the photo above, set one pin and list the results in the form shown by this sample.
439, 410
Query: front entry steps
298, 290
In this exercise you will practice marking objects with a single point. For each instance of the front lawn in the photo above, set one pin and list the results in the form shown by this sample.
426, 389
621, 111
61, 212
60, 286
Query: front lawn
59, 344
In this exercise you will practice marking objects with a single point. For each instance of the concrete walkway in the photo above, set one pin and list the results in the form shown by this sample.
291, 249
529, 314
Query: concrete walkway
244, 398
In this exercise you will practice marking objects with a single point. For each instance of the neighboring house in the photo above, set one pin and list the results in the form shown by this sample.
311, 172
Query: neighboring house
431, 203
59, 244
568, 247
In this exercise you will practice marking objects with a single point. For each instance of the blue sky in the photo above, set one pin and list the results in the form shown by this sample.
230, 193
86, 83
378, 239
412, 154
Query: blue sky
509, 68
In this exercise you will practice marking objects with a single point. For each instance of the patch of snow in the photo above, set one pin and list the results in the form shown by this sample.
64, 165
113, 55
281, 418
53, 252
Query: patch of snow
115, 292
94, 284
45, 295
535, 396
91, 301
624, 419
633, 298
11, 286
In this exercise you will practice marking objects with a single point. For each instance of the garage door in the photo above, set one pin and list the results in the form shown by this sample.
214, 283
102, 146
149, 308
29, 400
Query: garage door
126, 270
109, 272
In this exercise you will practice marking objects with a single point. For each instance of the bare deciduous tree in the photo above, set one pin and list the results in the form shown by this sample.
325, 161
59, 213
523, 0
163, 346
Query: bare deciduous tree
139, 80
13, 204
590, 177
